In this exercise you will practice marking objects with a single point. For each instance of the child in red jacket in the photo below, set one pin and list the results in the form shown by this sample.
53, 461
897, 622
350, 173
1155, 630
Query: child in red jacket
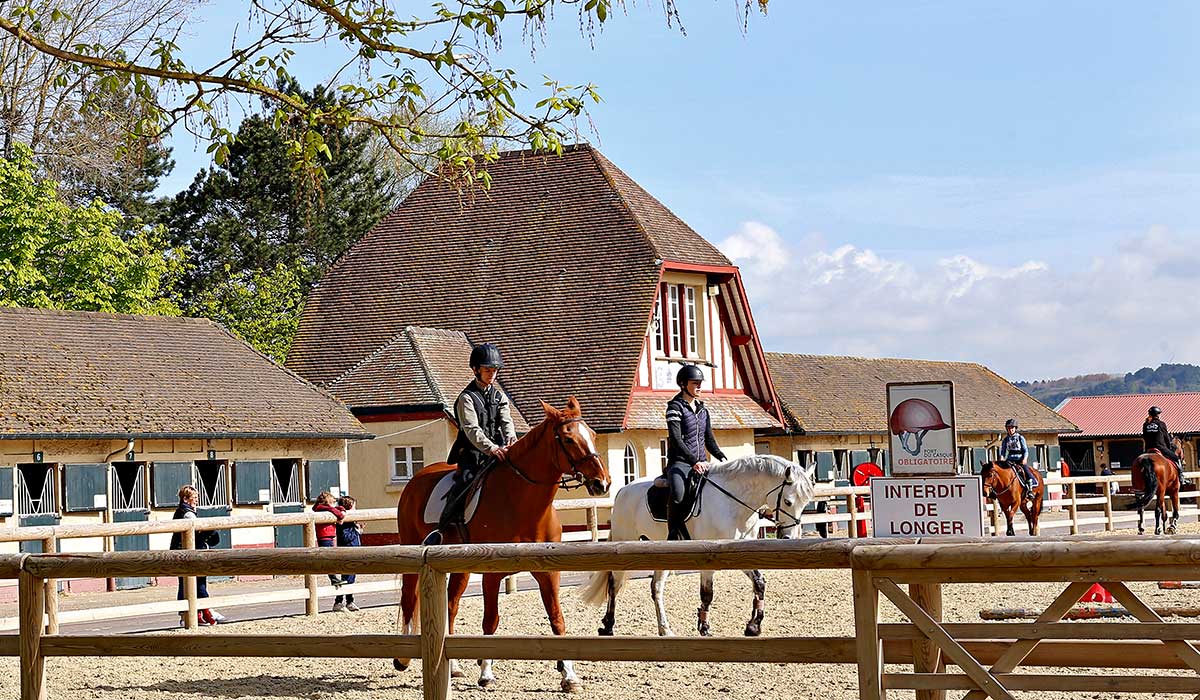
327, 532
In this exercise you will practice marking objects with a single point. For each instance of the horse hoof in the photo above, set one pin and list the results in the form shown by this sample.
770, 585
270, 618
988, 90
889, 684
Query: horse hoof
486, 682
400, 665
753, 630
571, 686
704, 631
1141, 530
605, 632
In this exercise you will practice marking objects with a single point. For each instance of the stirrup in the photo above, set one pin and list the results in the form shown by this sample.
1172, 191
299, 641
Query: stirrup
432, 539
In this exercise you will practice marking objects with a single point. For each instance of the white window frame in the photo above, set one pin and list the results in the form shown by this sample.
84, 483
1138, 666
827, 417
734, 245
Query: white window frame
656, 327
629, 463
673, 318
411, 464
693, 326
662, 447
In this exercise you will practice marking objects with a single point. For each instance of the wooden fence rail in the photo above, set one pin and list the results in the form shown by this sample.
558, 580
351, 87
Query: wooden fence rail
986, 654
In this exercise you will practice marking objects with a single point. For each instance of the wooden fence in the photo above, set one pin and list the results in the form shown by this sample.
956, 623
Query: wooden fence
985, 653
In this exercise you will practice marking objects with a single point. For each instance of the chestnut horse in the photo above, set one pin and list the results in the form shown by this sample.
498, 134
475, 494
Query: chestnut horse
1002, 484
1154, 478
516, 505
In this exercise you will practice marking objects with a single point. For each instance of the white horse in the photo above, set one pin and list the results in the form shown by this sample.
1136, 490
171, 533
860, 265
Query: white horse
739, 490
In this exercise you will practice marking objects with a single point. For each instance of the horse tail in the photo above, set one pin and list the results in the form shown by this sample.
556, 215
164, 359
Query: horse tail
1150, 483
596, 592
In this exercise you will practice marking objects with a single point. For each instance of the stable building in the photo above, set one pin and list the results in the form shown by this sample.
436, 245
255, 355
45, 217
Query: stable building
1111, 428
588, 284
104, 416
836, 412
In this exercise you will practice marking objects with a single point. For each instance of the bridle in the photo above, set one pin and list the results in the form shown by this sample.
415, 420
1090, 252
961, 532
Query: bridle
575, 478
777, 515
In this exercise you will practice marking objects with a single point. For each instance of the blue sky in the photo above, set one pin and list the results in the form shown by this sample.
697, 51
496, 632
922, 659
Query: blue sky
984, 181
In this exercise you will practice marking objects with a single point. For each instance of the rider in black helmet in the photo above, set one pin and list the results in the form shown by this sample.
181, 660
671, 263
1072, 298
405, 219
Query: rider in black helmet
690, 441
1015, 451
1155, 436
485, 430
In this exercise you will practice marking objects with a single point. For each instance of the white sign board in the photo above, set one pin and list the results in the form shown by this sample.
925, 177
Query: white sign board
921, 428
927, 507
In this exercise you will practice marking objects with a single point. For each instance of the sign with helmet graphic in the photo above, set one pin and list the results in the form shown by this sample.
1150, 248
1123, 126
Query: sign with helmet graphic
921, 428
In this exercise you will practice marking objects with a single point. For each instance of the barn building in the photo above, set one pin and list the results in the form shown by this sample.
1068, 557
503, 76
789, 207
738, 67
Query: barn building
836, 413
591, 288
104, 416
1111, 428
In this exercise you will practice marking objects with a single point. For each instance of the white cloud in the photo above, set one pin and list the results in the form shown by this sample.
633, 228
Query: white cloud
1119, 310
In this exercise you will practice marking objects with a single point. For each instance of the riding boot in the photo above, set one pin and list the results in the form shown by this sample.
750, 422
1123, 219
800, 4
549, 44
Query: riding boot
1184, 482
452, 513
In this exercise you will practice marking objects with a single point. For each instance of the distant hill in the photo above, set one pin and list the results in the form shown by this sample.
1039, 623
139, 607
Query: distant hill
1165, 379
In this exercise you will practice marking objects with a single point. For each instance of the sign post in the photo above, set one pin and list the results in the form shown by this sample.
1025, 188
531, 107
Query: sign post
923, 442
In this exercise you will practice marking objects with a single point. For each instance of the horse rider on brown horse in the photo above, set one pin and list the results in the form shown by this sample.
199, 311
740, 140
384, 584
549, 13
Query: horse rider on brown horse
485, 430
1014, 451
689, 442
1155, 436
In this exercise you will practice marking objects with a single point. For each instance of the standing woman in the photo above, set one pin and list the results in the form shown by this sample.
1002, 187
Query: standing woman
189, 497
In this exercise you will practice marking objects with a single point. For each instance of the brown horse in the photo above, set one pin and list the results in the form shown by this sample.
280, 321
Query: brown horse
1154, 478
1002, 484
516, 505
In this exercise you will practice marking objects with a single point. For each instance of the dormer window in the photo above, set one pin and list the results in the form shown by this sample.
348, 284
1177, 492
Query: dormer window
692, 334
675, 328
678, 323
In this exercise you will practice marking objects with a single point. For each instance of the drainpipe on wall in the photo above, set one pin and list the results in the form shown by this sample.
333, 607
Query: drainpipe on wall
128, 449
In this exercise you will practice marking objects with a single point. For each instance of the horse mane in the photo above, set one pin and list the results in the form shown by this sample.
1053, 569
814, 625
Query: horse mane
755, 465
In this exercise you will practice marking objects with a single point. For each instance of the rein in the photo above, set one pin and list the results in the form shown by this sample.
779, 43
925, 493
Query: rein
572, 481
778, 491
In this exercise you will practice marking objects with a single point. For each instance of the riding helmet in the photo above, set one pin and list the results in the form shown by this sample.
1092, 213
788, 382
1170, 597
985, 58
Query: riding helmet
688, 373
1155, 410
1010, 423
486, 355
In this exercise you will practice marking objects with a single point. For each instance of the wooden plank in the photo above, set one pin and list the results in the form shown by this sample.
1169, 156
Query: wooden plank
380, 646
393, 559
1019, 650
927, 657
817, 650
1183, 650
870, 650
1045, 575
435, 665
1030, 682
1028, 553
1073, 507
312, 604
50, 544
643, 556
32, 605
1053, 630
191, 620
948, 645
1057, 654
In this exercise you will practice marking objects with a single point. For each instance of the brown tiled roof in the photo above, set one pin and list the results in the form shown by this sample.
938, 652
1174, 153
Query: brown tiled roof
83, 374
556, 264
419, 367
728, 412
831, 394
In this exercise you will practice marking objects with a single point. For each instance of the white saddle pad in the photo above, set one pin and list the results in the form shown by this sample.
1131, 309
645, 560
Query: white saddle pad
437, 501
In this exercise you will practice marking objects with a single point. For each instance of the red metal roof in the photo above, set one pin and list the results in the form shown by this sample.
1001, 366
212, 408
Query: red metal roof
1123, 414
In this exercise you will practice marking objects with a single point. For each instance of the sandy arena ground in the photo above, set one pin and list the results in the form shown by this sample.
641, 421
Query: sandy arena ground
810, 603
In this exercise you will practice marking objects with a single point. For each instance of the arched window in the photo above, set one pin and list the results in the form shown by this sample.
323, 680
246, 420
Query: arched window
630, 461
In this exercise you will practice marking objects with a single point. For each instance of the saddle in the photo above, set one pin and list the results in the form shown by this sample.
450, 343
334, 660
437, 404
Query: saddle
659, 495
444, 490
1155, 450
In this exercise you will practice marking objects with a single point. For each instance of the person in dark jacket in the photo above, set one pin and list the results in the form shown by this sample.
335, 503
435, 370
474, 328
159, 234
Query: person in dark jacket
690, 440
1155, 436
485, 432
1014, 452
348, 535
189, 498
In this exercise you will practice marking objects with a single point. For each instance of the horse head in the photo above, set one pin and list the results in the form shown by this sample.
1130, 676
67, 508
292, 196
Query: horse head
993, 483
794, 494
577, 443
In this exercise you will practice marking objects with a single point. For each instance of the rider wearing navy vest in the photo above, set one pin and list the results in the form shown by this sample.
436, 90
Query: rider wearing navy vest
1155, 436
485, 430
1015, 451
690, 441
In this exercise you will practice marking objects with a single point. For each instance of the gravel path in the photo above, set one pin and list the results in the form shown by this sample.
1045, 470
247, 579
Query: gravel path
809, 603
